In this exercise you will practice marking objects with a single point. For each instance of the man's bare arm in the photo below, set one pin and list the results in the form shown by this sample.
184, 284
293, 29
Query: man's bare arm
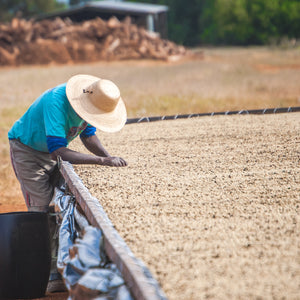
93, 144
75, 157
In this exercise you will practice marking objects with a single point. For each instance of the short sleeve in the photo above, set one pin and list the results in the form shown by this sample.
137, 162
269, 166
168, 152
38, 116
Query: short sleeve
55, 112
88, 131
54, 143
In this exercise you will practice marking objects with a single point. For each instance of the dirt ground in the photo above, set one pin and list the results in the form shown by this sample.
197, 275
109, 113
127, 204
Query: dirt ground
210, 204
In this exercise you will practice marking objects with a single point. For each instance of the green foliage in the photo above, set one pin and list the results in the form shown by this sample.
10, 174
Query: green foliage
231, 22
74, 2
240, 22
26, 8
246, 22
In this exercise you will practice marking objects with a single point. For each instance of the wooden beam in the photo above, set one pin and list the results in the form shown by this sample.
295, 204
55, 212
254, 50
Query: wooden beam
138, 278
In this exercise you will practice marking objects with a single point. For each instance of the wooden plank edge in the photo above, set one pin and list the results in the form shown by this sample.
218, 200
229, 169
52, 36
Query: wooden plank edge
138, 278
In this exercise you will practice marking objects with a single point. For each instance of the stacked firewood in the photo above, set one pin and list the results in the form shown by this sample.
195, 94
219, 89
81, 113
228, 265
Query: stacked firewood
63, 41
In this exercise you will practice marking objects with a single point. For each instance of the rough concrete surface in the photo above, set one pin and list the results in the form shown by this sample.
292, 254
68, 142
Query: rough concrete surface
211, 205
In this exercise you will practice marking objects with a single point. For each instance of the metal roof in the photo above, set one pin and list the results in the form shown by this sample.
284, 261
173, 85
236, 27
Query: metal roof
108, 7
144, 8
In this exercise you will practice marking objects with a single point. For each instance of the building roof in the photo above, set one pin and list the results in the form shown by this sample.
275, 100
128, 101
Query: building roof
111, 7
145, 8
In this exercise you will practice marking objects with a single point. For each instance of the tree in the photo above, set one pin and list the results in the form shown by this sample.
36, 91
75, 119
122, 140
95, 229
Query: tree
287, 18
249, 22
26, 8
74, 2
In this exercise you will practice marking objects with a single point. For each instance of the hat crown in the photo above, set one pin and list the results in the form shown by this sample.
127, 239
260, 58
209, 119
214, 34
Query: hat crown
104, 94
97, 101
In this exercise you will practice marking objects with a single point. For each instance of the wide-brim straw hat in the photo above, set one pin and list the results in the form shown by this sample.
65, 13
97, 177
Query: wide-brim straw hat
97, 101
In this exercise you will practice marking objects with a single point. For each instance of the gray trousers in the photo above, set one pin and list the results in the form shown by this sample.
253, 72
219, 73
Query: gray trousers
38, 175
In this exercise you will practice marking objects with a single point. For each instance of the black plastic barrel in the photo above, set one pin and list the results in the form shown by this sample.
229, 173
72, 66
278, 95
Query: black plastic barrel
25, 255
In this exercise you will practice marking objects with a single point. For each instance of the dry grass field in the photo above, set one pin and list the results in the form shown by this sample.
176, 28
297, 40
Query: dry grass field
248, 218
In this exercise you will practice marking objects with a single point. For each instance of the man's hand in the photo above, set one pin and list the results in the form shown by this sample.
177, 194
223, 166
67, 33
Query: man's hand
75, 157
94, 145
113, 161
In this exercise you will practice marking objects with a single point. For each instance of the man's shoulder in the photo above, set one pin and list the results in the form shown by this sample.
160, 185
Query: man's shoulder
58, 92
56, 97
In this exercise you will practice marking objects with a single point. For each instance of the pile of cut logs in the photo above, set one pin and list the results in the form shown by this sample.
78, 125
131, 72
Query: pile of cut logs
63, 41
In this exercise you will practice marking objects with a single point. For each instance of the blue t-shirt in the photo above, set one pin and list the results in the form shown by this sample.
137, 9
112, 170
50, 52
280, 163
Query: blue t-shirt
50, 122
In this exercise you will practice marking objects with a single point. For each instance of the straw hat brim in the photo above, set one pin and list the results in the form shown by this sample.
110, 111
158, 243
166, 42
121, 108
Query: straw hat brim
106, 121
